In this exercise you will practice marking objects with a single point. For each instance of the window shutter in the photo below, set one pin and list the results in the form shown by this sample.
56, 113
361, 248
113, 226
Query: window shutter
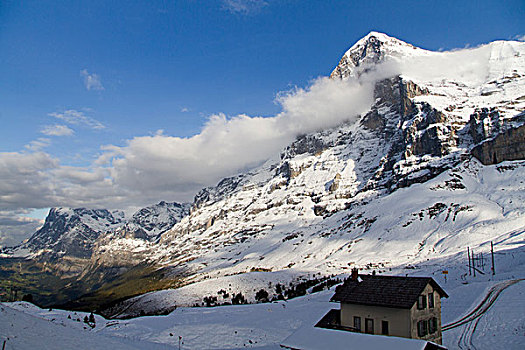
421, 302
432, 325
431, 300
422, 328
357, 323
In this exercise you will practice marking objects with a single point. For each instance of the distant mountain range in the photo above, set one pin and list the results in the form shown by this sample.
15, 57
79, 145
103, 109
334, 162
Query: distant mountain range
434, 165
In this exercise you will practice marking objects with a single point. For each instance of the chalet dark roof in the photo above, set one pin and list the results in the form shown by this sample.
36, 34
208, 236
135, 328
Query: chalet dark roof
331, 320
388, 291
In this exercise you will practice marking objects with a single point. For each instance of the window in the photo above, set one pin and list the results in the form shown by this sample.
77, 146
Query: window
357, 323
432, 325
422, 328
369, 325
384, 327
421, 302
431, 300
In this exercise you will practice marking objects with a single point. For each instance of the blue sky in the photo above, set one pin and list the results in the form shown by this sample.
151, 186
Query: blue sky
81, 80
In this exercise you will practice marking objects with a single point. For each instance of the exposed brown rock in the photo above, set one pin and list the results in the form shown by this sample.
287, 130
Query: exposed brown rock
509, 145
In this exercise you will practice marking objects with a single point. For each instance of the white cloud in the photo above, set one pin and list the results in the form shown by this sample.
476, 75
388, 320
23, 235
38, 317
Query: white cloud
38, 144
37, 180
163, 167
72, 116
26, 180
15, 228
244, 6
184, 109
227, 145
57, 130
520, 37
469, 65
91, 81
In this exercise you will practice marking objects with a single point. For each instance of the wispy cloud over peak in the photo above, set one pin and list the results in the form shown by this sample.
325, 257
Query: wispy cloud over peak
244, 6
57, 130
75, 117
520, 37
91, 80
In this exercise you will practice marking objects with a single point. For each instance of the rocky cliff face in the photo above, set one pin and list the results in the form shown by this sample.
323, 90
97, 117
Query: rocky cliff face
507, 145
416, 130
72, 232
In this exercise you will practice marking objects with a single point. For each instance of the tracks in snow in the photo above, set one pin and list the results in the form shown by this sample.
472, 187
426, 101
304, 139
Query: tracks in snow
465, 339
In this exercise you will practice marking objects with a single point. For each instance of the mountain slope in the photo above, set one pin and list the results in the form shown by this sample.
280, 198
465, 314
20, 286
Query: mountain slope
467, 206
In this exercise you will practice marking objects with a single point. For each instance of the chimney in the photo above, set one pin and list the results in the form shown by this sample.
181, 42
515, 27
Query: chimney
355, 274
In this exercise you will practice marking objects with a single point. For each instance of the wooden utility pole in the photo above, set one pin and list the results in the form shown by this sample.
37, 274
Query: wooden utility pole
468, 253
473, 262
482, 262
492, 253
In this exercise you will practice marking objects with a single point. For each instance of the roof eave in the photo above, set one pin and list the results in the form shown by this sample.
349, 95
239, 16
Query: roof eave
437, 287
378, 305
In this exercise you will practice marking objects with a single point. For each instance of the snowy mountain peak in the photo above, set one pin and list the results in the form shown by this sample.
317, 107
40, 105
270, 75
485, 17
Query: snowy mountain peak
71, 232
149, 222
378, 39
370, 50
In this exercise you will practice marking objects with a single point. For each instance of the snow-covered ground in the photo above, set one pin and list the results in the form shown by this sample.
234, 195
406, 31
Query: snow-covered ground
265, 326
24, 326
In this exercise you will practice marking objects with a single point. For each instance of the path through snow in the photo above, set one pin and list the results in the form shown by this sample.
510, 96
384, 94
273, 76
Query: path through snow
472, 318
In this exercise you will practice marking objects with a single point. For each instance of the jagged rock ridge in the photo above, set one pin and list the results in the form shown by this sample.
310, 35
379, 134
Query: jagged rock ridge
149, 222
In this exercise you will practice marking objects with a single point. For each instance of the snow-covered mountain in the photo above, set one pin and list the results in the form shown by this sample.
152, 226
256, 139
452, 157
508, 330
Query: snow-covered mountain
436, 164
399, 186
73, 231
68, 235
149, 222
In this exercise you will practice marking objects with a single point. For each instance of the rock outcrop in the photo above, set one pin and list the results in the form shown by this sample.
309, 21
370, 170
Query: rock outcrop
508, 145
